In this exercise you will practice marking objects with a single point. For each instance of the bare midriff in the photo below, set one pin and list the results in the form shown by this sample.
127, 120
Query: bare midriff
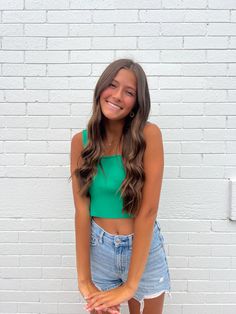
117, 226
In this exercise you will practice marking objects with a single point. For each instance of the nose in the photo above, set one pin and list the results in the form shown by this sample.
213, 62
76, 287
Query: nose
117, 93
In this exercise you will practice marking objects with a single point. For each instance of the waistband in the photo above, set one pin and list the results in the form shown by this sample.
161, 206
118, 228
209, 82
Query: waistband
117, 240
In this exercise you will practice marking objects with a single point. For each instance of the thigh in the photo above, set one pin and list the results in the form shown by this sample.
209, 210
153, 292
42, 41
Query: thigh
151, 306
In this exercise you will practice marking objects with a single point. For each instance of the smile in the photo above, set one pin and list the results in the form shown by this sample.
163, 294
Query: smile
114, 105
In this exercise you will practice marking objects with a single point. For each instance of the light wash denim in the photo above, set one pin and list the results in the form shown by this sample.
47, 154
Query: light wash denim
110, 257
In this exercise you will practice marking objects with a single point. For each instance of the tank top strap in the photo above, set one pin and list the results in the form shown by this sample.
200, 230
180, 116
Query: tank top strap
84, 137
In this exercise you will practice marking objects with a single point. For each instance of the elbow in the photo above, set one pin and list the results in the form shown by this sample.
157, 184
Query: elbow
149, 213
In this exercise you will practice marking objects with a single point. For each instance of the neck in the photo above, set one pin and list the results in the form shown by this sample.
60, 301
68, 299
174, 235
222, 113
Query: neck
114, 129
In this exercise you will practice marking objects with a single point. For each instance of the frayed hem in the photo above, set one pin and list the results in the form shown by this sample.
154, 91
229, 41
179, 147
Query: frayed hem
155, 295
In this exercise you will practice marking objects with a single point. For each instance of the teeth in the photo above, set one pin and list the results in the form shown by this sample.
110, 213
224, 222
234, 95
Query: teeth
113, 105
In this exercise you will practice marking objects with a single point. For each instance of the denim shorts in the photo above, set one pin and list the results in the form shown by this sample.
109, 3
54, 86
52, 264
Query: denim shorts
110, 257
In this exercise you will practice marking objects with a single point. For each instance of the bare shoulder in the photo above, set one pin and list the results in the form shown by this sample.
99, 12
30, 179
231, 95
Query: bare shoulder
77, 138
77, 142
76, 149
152, 132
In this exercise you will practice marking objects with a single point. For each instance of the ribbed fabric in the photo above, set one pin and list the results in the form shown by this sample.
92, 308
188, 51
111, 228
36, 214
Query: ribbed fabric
105, 199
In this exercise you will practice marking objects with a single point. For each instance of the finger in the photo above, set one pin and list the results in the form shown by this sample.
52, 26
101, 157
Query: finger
91, 295
103, 305
113, 311
94, 299
100, 302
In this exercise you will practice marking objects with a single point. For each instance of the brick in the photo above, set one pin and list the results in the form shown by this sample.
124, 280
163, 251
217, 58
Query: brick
70, 96
142, 56
24, 16
220, 109
117, 4
40, 260
187, 4
69, 16
183, 56
210, 262
67, 43
23, 43
221, 56
183, 83
217, 4
11, 30
137, 29
183, 29
69, 69
203, 147
46, 57
207, 15
204, 69
204, 122
181, 109
206, 95
47, 30
24, 70
24, 121
116, 42
221, 29
114, 16
12, 4
44, 4
208, 42
46, 83
202, 172
162, 15
48, 134
154, 42
13, 109
208, 286
84, 30
11, 56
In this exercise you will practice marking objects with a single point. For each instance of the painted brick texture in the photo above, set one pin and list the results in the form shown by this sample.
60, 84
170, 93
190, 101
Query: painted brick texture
52, 53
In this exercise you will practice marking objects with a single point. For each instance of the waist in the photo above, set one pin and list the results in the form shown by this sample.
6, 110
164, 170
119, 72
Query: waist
115, 226
98, 231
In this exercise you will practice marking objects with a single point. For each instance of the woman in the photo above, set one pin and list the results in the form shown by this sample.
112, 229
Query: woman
117, 168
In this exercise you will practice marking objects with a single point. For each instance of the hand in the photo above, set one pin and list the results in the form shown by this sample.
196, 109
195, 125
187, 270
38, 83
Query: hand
106, 299
90, 288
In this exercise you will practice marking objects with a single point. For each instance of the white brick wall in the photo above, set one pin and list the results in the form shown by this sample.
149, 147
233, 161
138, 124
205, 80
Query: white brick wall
52, 53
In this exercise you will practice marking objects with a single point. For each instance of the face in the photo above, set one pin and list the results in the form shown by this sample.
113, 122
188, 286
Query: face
118, 99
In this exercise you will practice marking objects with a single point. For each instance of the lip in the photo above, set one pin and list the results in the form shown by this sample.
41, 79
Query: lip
112, 103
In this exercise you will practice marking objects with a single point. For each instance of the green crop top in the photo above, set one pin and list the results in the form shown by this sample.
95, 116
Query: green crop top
104, 202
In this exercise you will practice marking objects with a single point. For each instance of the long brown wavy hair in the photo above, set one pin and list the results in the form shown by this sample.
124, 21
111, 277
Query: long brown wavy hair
133, 140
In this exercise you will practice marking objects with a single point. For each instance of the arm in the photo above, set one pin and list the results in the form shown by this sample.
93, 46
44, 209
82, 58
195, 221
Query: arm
82, 216
82, 227
143, 223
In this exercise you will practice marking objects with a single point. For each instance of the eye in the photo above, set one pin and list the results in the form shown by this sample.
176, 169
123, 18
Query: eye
112, 85
130, 93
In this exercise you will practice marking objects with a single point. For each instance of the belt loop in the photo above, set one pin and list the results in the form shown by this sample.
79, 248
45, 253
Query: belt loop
101, 237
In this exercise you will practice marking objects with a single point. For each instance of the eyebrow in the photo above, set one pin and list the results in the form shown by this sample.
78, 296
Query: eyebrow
126, 85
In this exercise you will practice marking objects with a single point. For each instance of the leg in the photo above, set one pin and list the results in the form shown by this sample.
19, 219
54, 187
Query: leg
151, 306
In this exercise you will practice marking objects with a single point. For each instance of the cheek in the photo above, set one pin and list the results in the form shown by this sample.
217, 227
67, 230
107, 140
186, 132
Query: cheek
104, 94
130, 102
